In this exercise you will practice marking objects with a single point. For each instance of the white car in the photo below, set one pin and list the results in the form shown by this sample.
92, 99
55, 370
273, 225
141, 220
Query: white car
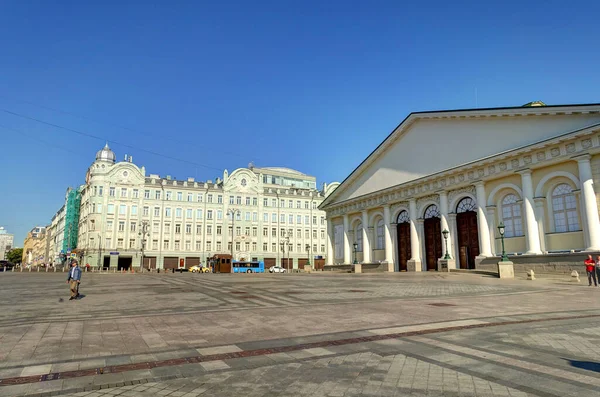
277, 269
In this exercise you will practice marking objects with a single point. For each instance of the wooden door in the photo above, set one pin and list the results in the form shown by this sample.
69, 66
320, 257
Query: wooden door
433, 242
404, 253
468, 239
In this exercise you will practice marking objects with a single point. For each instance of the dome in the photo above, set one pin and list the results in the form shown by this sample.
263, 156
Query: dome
106, 154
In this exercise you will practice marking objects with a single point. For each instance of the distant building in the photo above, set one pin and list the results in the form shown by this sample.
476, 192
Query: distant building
6, 242
34, 247
186, 221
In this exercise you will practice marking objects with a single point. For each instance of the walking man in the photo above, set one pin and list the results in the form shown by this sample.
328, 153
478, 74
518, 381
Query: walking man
590, 268
74, 279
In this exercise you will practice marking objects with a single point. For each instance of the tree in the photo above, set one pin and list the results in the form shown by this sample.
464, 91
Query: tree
15, 255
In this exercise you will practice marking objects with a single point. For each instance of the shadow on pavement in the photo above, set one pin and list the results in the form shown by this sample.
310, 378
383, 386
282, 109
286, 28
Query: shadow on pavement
587, 365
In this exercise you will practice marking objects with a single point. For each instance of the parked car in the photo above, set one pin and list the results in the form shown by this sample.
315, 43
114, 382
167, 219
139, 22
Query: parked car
277, 269
199, 269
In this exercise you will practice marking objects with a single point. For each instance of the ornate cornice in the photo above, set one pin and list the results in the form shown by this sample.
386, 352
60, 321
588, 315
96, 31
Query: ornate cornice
542, 154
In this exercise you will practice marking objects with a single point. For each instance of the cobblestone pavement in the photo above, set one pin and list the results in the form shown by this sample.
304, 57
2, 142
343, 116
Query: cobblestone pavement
292, 335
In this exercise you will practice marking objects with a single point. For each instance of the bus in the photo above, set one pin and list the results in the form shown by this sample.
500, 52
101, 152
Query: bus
248, 266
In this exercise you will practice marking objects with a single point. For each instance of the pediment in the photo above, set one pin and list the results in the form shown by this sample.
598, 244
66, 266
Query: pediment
243, 180
424, 145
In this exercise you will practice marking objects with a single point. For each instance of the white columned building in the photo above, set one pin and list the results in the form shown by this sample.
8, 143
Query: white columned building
537, 180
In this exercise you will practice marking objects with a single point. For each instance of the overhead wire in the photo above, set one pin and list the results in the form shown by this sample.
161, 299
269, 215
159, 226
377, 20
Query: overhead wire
144, 133
86, 134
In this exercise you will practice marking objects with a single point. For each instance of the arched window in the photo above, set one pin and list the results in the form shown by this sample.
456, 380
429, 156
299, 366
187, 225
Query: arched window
465, 205
403, 217
380, 236
564, 207
358, 237
432, 212
511, 216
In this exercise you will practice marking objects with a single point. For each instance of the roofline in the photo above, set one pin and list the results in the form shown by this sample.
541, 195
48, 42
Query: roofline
464, 165
535, 108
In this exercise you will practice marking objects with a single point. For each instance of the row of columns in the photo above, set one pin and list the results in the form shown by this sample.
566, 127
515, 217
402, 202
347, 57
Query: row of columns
533, 214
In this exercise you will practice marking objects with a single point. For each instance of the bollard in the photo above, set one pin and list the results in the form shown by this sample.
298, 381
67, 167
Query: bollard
4, 269
54, 269
38, 269
530, 275
575, 276
46, 269
29, 269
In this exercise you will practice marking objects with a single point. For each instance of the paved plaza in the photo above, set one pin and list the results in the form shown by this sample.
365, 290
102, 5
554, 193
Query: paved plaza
317, 334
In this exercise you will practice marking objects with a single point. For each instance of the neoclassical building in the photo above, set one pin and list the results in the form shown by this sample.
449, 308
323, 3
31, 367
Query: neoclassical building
268, 214
535, 168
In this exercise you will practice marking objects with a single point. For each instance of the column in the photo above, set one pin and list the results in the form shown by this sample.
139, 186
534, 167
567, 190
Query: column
387, 235
532, 235
590, 206
454, 232
445, 225
330, 243
414, 263
421, 231
539, 215
393, 248
482, 223
491, 216
584, 226
347, 248
365, 238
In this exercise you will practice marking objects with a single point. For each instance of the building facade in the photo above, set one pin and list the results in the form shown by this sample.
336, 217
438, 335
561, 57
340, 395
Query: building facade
34, 247
268, 214
56, 239
6, 242
535, 169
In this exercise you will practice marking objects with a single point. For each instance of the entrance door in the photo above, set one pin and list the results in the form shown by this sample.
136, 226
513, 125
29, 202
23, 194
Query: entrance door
468, 239
403, 237
170, 262
433, 242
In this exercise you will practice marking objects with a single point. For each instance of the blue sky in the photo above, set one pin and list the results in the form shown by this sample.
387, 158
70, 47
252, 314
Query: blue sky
311, 85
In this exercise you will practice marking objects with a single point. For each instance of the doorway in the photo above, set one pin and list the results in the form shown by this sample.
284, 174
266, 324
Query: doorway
468, 235
106, 263
433, 237
124, 263
403, 234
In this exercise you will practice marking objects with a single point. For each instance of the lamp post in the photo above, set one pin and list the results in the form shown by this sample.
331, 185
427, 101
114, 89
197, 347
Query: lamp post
445, 234
286, 242
143, 233
233, 212
501, 230
355, 246
308, 254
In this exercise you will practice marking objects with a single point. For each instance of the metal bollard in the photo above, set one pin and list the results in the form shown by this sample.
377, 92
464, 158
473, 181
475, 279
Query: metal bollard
4, 269
46, 269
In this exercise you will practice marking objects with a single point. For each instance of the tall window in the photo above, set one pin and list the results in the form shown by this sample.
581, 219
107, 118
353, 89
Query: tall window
359, 237
380, 235
564, 207
511, 216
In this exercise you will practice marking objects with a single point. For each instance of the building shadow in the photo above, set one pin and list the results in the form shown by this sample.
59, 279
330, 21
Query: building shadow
587, 365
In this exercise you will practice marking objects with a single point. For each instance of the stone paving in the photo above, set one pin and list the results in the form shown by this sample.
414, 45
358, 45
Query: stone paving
290, 335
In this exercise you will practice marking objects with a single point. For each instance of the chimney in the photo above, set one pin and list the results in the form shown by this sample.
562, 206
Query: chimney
125, 156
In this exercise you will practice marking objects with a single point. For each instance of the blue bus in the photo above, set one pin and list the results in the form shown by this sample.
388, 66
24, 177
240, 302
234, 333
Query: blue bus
248, 266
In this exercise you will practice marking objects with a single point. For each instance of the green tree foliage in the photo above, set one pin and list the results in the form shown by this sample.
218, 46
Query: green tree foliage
15, 255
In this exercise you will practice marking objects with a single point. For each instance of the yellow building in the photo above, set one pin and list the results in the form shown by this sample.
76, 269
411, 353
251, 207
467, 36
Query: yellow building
532, 168
34, 247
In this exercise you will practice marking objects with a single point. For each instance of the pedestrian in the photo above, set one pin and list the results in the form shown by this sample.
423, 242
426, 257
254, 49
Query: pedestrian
598, 268
590, 268
74, 279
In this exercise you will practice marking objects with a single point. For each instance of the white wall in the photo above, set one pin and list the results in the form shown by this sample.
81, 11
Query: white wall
430, 146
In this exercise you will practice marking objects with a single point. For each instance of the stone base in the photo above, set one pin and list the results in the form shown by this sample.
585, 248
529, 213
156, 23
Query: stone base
358, 268
506, 269
413, 265
444, 265
391, 268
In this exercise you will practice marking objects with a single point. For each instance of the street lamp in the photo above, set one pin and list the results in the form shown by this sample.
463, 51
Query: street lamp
308, 254
284, 242
233, 212
445, 234
143, 233
501, 229
355, 249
